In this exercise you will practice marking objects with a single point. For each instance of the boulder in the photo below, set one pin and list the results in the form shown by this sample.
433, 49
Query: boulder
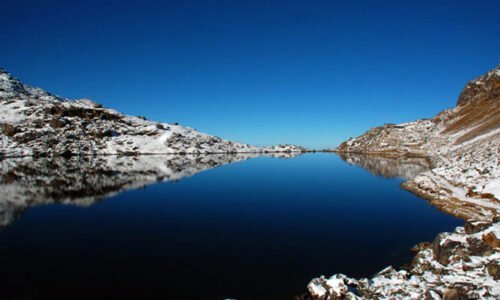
475, 226
57, 123
8, 129
454, 294
443, 249
491, 240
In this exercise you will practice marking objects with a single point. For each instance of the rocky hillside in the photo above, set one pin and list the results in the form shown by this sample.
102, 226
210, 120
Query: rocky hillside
36, 123
477, 114
463, 143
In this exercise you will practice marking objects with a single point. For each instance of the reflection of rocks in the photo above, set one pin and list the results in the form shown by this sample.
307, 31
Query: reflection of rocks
82, 181
283, 154
402, 167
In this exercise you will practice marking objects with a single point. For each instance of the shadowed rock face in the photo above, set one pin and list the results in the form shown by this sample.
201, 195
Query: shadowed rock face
83, 181
389, 167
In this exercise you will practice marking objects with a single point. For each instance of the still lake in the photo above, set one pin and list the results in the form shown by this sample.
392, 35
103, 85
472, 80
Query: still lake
244, 228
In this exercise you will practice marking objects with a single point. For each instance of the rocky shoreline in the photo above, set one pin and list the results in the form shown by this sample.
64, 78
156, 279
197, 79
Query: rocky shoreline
459, 265
464, 264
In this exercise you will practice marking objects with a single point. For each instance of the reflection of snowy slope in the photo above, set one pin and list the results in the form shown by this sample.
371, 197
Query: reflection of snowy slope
389, 167
34, 122
82, 181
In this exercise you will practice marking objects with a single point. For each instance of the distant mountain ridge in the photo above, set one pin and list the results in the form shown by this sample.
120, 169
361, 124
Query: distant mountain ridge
34, 122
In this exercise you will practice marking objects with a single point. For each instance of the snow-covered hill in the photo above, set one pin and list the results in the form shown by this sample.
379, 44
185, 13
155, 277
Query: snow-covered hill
463, 143
36, 123
476, 115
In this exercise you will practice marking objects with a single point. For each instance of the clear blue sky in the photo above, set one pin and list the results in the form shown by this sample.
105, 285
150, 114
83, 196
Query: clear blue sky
263, 72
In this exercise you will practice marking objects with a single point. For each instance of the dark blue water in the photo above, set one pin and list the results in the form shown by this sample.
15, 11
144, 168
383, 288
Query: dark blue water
258, 229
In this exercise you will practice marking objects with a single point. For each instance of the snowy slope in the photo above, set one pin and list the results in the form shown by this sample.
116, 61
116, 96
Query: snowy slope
34, 122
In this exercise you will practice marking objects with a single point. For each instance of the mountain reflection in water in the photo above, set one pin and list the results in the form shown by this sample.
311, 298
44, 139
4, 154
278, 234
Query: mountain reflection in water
82, 181
388, 167
260, 229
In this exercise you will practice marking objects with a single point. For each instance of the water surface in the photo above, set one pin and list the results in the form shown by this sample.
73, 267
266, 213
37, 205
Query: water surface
246, 228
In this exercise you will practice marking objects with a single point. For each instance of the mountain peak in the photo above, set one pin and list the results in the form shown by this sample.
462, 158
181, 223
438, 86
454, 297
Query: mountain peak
9, 85
486, 86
